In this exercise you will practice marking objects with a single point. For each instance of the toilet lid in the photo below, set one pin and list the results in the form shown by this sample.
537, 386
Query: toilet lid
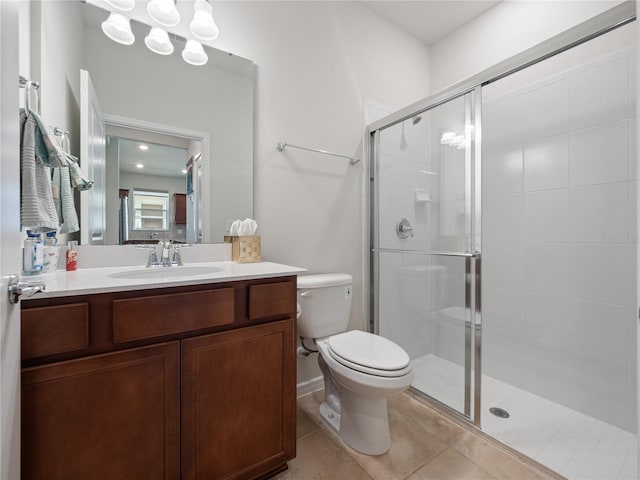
367, 350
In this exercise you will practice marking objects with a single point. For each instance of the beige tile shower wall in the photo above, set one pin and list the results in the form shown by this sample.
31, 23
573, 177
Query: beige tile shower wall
559, 236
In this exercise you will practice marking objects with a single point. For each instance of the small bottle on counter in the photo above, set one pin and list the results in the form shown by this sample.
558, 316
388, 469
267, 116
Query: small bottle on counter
32, 254
51, 250
72, 256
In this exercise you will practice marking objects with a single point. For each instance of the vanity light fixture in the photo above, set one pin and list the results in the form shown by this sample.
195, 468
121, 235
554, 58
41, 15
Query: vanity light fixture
194, 54
139, 165
118, 28
124, 5
164, 12
158, 42
142, 146
202, 26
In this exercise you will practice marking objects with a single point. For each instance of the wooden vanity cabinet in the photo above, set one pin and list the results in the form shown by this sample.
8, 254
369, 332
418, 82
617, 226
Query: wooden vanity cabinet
202, 394
106, 416
238, 371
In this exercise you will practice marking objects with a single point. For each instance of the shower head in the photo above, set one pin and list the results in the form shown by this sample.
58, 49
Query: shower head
416, 120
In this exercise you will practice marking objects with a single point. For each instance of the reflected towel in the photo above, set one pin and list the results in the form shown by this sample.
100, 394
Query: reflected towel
37, 209
63, 199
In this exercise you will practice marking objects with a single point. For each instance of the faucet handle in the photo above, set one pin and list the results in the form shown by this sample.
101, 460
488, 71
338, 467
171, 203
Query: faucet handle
177, 258
152, 259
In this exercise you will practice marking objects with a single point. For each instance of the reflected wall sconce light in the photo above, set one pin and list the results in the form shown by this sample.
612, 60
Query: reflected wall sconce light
158, 41
118, 28
194, 54
164, 12
202, 26
453, 140
124, 5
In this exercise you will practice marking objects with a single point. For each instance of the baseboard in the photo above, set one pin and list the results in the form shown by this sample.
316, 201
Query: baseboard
310, 386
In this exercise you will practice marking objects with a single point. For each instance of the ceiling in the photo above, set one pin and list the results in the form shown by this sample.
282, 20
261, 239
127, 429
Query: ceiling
162, 160
430, 20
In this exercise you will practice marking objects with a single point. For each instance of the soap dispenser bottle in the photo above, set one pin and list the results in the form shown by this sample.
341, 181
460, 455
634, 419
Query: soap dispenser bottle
72, 256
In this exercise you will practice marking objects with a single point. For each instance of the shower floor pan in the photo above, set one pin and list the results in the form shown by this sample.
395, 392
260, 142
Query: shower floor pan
568, 442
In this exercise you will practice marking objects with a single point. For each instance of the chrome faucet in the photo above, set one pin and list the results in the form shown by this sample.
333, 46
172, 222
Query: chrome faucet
166, 259
166, 248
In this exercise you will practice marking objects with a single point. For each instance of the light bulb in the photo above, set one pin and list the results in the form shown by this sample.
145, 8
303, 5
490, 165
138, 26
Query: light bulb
164, 12
158, 41
118, 28
202, 26
194, 54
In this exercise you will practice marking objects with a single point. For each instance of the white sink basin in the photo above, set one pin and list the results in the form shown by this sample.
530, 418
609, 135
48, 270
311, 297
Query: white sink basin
167, 272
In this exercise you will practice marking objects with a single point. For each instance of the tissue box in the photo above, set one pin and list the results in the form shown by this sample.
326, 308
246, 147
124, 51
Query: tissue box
245, 248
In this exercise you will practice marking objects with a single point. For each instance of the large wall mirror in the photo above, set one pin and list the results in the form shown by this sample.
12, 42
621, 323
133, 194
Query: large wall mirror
183, 114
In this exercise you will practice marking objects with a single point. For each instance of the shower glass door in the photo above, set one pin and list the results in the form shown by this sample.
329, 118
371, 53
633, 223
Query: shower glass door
425, 256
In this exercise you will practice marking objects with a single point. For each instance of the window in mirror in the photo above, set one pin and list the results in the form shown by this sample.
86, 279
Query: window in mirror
151, 210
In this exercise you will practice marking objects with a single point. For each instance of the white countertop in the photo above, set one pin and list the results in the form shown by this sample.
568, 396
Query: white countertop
101, 280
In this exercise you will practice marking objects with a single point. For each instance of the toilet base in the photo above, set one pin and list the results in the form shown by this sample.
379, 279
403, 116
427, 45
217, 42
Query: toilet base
330, 417
363, 423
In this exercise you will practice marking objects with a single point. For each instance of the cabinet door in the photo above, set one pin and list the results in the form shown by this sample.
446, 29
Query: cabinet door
111, 416
238, 402
181, 208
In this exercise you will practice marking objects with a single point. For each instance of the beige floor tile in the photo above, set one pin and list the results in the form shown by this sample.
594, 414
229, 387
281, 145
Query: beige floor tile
414, 440
318, 457
436, 425
422, 441
451, 465
305, 425
493, 459
310, 404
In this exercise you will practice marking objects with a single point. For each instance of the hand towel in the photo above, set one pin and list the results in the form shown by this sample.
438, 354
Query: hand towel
51, 154
64, 201
37, 209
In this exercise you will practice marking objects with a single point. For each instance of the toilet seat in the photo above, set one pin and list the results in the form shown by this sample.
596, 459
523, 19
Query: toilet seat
369, 353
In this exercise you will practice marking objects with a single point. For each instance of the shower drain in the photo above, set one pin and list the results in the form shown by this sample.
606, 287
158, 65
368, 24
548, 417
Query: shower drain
499, 412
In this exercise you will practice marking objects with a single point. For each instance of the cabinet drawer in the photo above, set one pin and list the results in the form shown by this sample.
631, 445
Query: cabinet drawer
271, 300
155, 316
56, 329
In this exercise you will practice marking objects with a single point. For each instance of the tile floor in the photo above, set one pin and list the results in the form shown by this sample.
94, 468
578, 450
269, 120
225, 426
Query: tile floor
425, 445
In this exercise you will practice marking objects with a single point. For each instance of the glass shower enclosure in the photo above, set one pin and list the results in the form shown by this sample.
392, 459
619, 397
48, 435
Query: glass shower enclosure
504, 249
426, 249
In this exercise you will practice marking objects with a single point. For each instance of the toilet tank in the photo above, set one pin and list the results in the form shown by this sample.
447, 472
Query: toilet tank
325, 304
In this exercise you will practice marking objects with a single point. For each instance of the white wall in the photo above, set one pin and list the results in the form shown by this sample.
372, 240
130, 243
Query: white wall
505, 30
56, 65
316, 62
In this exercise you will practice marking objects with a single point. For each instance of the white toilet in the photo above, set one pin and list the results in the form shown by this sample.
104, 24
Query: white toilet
360, 369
